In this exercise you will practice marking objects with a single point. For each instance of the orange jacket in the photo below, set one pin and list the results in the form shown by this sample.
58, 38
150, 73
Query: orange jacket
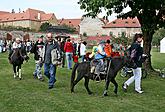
108, 49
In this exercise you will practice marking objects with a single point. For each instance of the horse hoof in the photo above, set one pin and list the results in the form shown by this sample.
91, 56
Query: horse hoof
20, 78
90, 93
105, 94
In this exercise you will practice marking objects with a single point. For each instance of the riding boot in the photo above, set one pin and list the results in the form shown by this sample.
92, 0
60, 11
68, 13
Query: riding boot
20, 74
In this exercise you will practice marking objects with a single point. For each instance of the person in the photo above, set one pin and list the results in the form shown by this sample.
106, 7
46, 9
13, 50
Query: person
100, 54
108, 48
62, 44
83, 50
136, 52
37, 49
68, 48
51, 56
75, 58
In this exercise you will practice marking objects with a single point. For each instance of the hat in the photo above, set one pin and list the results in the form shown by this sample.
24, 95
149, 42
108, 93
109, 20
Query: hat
17, 39
102, 42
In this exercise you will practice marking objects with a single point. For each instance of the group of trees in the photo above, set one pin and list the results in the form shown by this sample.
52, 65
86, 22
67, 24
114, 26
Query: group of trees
17, 28
150, 13
46, 25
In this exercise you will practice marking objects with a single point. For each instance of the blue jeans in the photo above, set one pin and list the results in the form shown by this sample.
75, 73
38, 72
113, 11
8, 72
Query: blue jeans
37, 71
50, 72
83, 58
69, 59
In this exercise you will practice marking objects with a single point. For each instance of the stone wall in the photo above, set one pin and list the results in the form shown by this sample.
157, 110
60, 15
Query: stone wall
91, 26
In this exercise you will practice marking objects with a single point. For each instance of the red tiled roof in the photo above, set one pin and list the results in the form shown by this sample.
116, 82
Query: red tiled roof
4, 12
71, 22
98, 38
124, 23
29, 14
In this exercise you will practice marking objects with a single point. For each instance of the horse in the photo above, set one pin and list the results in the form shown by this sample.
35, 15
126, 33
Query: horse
84, 71
16, 58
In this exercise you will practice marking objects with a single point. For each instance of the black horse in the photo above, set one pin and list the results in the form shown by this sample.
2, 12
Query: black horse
16, 58
83, 71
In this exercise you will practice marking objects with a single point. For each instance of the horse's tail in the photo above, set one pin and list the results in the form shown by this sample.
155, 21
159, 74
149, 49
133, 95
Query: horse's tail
74, 73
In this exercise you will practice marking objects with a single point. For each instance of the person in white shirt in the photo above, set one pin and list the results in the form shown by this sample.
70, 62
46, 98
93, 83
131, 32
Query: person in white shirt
83, 50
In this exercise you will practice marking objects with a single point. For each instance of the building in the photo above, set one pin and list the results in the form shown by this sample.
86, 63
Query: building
97, 26
91, 26
120, 26
74, 23
31, 18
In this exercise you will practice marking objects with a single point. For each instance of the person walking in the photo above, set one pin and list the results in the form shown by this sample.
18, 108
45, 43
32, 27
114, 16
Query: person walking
51, 56
37, 49
136, 53
83, 50
68, 48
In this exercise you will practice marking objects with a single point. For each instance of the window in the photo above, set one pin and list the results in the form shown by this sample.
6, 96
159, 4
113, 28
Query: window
114, 22
110, 33
134, 22
126, 22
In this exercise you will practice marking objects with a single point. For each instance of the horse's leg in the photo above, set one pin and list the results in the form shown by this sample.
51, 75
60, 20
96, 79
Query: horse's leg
79, 77
20, 73
106, 86
115, 84
86, 83
14, 69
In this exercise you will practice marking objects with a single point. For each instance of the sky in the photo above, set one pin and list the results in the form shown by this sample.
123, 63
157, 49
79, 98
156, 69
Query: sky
68, 9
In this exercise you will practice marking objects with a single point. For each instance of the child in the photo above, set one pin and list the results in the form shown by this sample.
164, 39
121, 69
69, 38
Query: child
75, 58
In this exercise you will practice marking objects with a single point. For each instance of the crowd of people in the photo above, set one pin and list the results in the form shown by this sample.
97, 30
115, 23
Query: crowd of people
54, 52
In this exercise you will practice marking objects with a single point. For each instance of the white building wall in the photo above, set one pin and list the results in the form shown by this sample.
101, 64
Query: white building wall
91, 26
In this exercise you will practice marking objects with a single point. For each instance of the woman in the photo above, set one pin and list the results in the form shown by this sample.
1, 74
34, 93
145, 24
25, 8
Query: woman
136, 52
68, 48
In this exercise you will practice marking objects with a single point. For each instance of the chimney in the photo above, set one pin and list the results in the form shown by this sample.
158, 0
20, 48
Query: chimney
39, 16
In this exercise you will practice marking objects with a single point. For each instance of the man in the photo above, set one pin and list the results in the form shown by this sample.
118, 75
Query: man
51, 56
37, 49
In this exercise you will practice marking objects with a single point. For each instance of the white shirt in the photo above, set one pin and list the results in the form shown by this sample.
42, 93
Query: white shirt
15, 45
82, 49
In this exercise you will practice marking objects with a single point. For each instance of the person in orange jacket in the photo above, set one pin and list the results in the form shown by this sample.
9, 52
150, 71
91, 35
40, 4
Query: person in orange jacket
108, 48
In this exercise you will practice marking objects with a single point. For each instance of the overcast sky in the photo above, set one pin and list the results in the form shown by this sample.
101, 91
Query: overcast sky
61, 8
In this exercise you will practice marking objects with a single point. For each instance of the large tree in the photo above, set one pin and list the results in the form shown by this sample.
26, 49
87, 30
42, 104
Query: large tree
150, 14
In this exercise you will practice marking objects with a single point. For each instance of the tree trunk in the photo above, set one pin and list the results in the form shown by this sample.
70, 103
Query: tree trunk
147, 35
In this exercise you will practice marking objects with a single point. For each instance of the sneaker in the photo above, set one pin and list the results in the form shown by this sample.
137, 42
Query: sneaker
50, 87
125, 86
139, 91
41, 79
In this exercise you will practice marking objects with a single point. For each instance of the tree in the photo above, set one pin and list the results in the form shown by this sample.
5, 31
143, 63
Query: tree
69, 28
158, 36
150, 13
44, 26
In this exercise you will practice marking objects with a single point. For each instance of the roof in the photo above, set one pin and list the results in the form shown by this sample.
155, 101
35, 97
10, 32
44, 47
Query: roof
124, 23
29, 14
70, 22
98, 38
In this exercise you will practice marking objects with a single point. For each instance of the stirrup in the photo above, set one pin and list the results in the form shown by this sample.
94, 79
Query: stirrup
97, 76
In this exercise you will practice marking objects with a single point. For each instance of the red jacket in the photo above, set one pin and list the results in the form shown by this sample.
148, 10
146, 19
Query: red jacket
68, 47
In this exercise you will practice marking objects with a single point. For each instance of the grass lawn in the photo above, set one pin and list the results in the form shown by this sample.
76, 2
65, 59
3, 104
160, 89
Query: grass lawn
31, 95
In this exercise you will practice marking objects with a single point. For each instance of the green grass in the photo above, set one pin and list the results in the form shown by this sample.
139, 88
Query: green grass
30, 95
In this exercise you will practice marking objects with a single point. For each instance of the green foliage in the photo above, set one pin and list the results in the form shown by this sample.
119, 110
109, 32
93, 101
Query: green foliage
123, 39
31, 95
159, 35
69, 28
44, 26
85, 34
150, 14
17, 28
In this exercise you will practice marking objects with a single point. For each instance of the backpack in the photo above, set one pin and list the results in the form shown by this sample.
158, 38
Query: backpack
56, 56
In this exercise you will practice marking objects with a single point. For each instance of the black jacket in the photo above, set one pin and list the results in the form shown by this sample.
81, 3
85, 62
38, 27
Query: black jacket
136, 52
35, 50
